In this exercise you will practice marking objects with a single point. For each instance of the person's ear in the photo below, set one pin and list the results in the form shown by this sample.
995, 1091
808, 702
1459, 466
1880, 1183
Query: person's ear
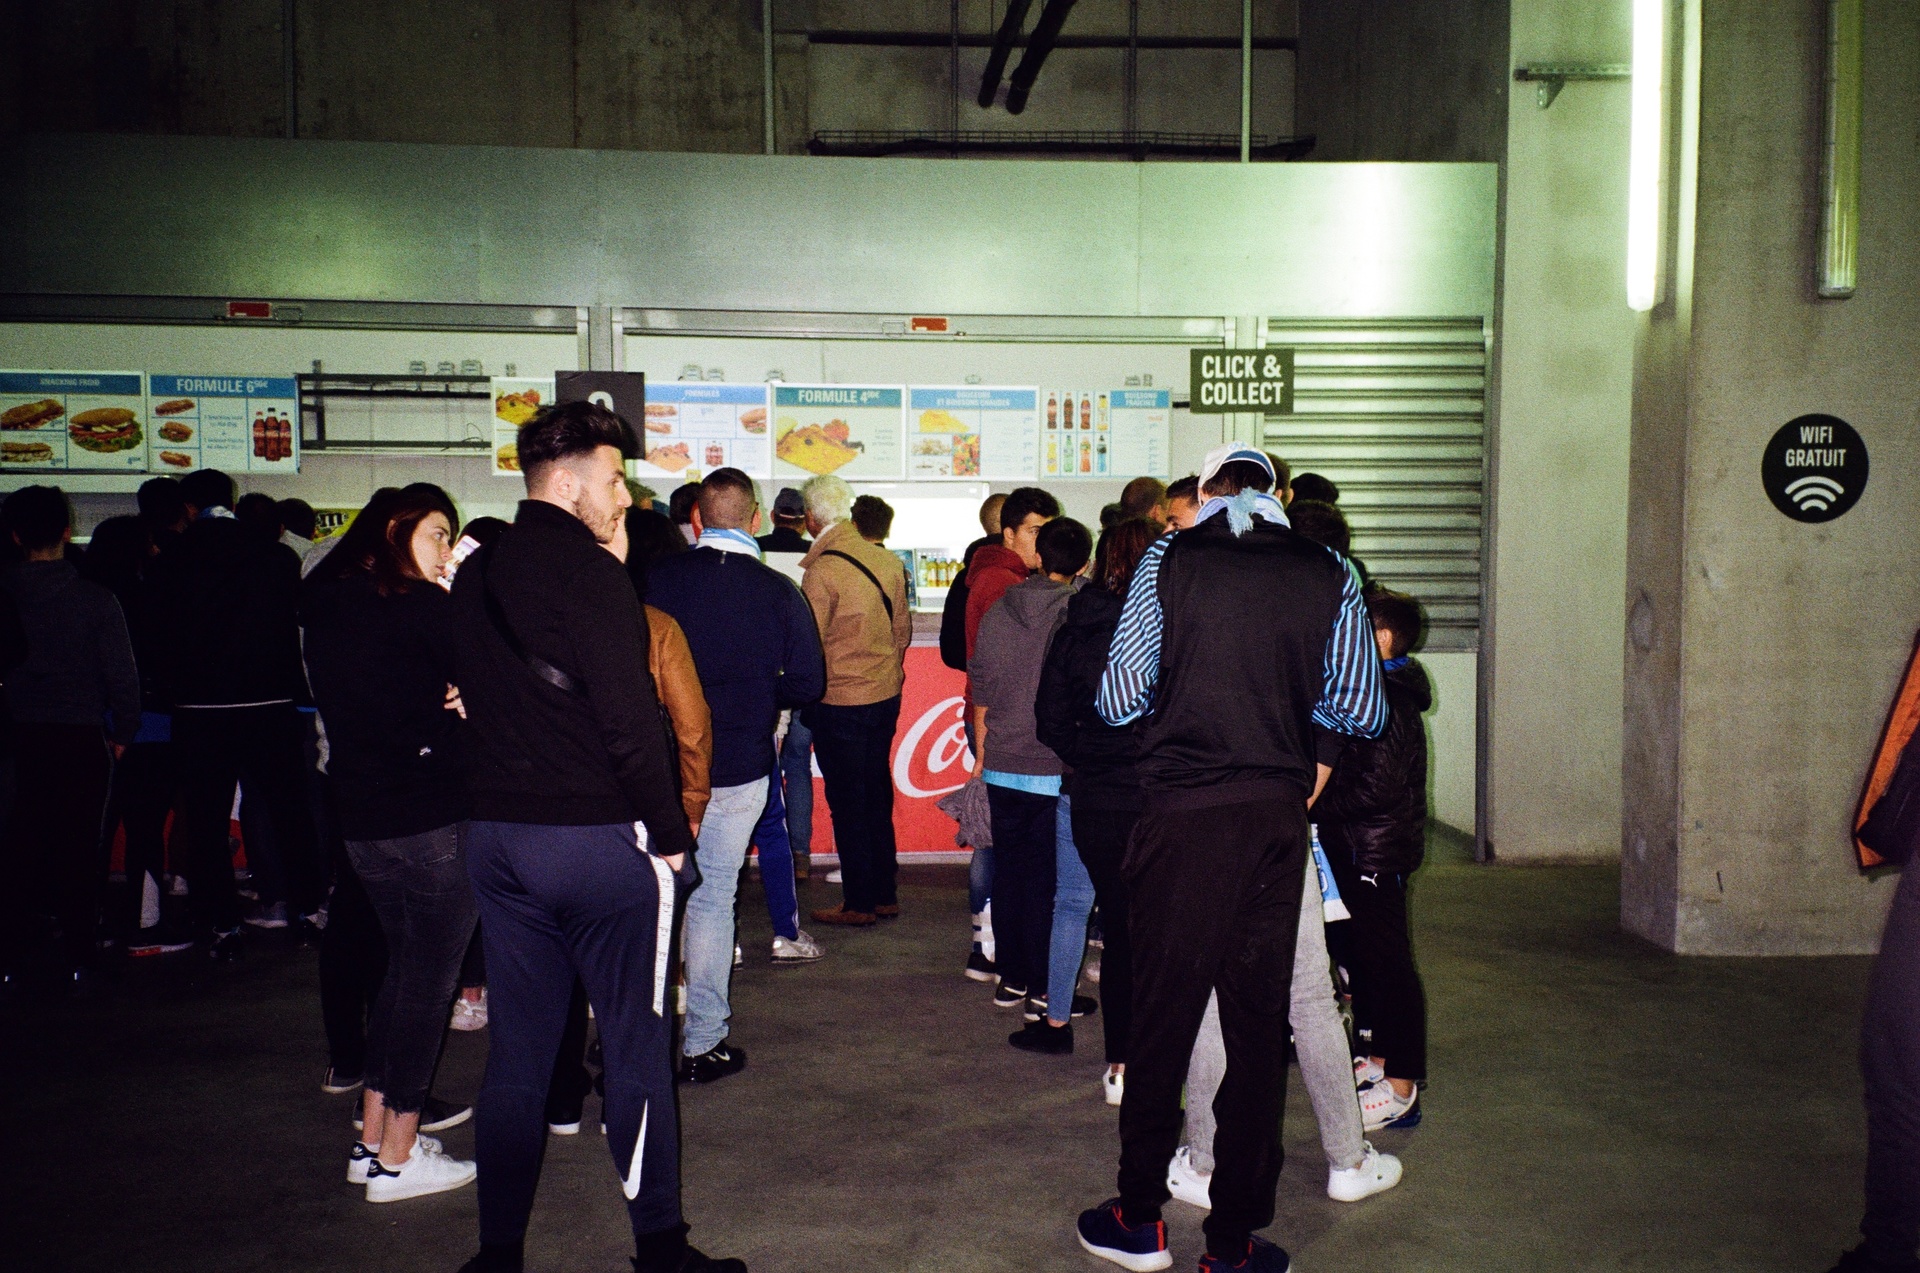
754, 529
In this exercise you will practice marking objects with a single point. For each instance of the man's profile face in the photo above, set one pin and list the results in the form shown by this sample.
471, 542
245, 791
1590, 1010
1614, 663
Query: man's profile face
1181, 512
601, 498
1023, 540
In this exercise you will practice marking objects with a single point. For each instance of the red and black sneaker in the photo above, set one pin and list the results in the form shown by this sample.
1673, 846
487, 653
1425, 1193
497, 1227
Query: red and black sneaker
1262, 1257
1141, 1248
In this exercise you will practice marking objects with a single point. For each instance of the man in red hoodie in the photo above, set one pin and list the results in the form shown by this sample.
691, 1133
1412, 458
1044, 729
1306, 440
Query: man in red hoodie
992, 569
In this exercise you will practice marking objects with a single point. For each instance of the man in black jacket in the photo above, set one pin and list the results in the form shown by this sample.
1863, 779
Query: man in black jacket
578, 838
1373, 825
226, 613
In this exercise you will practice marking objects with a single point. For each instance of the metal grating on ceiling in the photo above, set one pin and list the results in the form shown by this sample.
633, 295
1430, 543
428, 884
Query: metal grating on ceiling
1394, 412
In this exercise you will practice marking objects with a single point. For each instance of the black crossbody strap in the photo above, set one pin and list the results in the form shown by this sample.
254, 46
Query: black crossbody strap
885, 600
498, 617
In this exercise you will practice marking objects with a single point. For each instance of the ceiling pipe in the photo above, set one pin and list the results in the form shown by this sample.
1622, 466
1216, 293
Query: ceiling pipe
1045, 32
1003, 41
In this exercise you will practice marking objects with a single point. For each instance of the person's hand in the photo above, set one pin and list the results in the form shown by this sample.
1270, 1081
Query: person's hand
675, 862
119, 750
618, 544
453, 703
695, 828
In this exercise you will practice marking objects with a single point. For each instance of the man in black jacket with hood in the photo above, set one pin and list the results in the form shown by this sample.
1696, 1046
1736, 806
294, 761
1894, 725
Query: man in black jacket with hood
1373, 825
578, 845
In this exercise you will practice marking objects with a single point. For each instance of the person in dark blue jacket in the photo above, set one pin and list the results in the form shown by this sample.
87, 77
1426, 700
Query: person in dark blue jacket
758, 652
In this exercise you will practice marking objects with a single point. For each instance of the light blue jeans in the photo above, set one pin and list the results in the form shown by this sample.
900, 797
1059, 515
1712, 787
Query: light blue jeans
721, 851
1072, 904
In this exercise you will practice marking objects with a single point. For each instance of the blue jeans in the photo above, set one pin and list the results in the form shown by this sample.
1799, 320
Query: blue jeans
708, 939
796, 775
1072, 904
776, 865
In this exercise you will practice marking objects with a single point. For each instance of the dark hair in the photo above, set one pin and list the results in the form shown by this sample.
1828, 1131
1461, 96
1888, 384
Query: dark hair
1186, 488
1023, 502
727, 499
1121, 548
1142, 497
37, 515
160, 501
1111, 515
1235, 476
1282, 473
357, 545
296, 515
394, 568
1314, 487
207, 488
117, 553
437, 492
568, 429
1322, 523
680, 503
484, 530
260, 514
1064, 546
1399, 614
872, 517
651, 535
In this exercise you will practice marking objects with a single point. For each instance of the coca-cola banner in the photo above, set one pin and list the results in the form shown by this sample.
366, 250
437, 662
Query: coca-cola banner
930, 758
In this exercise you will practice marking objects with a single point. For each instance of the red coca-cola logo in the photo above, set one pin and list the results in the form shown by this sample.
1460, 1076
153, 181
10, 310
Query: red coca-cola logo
932, 757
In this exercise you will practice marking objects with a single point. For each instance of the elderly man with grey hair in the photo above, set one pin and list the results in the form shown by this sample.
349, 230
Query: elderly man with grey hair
858, 592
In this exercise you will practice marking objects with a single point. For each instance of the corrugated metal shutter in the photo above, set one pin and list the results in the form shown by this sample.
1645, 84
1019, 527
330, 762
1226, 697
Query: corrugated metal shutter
1394, 412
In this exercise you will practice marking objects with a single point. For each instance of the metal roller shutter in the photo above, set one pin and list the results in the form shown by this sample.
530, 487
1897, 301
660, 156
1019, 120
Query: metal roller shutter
1394, 412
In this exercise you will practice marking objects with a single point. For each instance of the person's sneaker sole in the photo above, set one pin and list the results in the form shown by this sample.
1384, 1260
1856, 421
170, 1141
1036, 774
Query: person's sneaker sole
389, 1189
981, 974
564, 1129
340, 1087
1150, 1262
440, 1115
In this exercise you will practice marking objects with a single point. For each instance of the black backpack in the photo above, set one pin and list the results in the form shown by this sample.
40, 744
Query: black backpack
1892, 828
953, 624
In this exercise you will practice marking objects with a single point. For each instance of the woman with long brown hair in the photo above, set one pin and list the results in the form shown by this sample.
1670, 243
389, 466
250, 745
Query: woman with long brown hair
378, 626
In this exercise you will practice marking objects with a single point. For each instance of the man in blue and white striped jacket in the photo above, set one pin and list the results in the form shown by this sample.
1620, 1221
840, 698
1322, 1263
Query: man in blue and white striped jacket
1246, 653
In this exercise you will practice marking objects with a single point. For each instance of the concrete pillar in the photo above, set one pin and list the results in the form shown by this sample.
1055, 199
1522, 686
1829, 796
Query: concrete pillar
1762, 652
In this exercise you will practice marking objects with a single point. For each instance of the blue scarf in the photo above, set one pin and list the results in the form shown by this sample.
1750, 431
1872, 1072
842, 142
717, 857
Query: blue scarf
728, 541
1242, 508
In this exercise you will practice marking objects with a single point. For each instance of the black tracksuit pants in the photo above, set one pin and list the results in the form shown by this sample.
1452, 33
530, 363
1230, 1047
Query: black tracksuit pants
558, 903
1025, 867
262, 749
1101, 833
140, 800
51, 846
1215, 905
1377, 951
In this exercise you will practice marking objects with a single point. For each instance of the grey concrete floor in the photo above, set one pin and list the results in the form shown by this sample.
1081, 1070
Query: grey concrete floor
1595, 1104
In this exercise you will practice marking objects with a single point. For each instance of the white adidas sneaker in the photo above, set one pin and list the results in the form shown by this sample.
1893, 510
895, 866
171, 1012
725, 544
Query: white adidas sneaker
361, 1156
1376, 1173
802, 949
427, 1170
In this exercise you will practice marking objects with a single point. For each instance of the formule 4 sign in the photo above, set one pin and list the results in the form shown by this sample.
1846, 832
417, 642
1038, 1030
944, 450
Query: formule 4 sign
1814, 468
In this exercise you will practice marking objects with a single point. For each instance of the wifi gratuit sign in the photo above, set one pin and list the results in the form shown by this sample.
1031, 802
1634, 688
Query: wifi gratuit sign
1815, 468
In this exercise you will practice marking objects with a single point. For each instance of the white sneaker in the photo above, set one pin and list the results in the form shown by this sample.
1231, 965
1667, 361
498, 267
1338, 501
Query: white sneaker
1365, 1072
833, 876
361, 1158
739, 960
470, 1014
426, 1171
1115, 1086
1187, 1183
1376, 1173
1380, 1107
797, 950
1092, 971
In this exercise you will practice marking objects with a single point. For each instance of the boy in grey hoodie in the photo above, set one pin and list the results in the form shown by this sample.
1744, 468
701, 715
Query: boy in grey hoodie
1021, 773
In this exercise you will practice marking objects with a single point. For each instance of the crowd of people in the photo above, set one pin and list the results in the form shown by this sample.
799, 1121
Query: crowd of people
508, 776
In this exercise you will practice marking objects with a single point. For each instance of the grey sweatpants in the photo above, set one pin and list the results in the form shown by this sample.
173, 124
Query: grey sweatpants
1890, 1064
1319, 1037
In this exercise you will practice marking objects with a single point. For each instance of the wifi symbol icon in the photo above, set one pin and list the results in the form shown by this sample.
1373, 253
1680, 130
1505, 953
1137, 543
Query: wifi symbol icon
1814, 468
1815, 494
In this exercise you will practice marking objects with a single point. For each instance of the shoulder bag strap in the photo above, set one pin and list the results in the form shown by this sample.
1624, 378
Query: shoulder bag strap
872, 578
498, 617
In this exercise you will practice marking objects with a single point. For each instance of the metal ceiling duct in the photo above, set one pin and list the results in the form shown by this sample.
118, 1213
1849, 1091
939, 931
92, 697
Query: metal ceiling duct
1045, 32
1003, 42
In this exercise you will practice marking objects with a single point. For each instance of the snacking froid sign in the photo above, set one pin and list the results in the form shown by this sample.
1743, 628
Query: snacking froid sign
132, 422
1224, 380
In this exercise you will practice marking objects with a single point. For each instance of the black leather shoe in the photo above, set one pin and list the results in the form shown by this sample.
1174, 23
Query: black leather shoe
714, 1065
692, 1261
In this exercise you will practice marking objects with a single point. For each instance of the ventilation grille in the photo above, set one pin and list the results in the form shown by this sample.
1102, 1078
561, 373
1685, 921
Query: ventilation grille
1394, 412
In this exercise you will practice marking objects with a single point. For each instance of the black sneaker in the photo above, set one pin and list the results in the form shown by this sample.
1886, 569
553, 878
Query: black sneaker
1083, 1006
980, 968
694, 1262
714, 1065
1860, 1260
1038, 1036
227, 947
1009, 996
337, 1084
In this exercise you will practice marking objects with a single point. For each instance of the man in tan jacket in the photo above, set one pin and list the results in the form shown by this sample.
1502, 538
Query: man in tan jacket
858, 592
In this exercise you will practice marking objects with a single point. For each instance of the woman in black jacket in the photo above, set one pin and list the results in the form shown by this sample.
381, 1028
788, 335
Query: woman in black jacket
378, 628
1100, 763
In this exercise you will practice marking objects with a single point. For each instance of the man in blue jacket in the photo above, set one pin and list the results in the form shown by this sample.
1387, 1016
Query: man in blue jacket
758, 652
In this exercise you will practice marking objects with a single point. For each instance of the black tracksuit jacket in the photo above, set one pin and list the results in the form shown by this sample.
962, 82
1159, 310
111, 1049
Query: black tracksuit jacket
1373, 812
540, 754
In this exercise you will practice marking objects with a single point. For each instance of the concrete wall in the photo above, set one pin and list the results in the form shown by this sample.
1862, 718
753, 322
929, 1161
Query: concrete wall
1559, 458
1772, 648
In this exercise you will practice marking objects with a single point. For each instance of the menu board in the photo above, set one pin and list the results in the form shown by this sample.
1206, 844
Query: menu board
73, 420
237, 424
972, 431
1106, 433
854, 431
694, 427
515, 401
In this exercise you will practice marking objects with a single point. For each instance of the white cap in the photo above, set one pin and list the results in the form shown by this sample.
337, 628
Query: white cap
1227, 453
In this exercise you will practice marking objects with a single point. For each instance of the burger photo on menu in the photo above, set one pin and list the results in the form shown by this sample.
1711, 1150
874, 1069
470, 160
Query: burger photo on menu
105, 430
175, 431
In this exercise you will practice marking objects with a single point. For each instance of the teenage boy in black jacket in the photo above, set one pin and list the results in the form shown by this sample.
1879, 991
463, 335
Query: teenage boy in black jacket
578, 840
1373, 825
